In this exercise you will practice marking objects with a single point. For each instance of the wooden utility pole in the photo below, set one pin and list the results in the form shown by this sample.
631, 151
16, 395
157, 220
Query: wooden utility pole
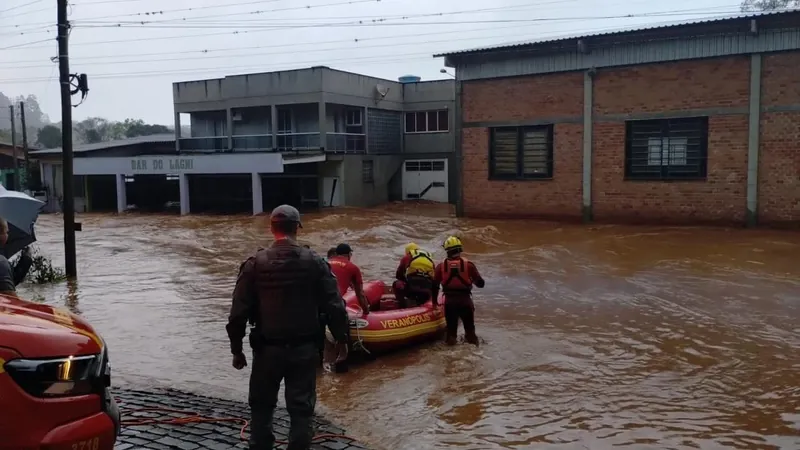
25, 144
15, 187
70, 259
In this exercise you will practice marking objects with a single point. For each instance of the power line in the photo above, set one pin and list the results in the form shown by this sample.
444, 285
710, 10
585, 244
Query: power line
20, 6
286, 52
204, 53
536, 4
403, 17
215, 16
372, 18
293, 44
167, 11
260, 68
25, 13
25, 32
235, 32
25, 44
361, 24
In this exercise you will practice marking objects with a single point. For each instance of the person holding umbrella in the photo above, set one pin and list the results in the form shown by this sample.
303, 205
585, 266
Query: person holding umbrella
11, 277
18, 213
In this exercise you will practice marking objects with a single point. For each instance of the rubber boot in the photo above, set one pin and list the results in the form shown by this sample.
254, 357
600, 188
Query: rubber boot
450, 339
472, 338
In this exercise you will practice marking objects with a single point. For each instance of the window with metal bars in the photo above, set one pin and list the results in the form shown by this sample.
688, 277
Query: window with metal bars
519, 153
666, 149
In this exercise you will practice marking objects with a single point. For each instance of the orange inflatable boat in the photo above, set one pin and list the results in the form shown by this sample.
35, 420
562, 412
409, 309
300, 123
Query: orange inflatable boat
386, 327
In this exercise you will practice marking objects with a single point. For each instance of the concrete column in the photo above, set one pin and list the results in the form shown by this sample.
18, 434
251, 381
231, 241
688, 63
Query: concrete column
183, 186
177, 131
753, 134
273, 114
258, 201
122, 200
323, 125
229, 126
588, 87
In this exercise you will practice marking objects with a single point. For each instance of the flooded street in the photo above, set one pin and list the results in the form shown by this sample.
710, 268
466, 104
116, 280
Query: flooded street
595, 337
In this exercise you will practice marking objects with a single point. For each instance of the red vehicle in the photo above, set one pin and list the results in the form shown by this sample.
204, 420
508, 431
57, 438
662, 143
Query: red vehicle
54, 381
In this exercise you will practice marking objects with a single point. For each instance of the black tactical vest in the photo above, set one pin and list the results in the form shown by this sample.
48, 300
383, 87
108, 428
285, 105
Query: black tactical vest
287, 279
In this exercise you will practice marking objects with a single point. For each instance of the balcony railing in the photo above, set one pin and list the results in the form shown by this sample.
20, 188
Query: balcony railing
253, 142
209, 144
346, 143
293, 142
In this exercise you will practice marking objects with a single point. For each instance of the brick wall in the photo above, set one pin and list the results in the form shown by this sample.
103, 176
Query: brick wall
665, 88
524, 99
779, 160
719, 85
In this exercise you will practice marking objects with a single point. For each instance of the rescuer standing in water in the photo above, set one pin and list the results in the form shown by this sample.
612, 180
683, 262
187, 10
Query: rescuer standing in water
457, 275
282, 289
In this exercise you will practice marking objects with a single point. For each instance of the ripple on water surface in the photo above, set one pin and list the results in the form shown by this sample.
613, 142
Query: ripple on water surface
595, 337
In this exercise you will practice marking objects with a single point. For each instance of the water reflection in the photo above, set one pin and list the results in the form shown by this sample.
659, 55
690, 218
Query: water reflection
596, 337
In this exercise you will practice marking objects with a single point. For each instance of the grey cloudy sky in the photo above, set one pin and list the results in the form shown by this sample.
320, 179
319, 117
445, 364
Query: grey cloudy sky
133, 50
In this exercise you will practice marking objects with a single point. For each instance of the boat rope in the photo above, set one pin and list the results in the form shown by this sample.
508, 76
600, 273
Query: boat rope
359, 342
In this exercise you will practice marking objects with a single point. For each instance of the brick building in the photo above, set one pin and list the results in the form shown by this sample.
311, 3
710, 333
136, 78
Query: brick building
692, 123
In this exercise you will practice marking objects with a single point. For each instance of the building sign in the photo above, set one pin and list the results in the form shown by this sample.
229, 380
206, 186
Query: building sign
178, 164
173, 165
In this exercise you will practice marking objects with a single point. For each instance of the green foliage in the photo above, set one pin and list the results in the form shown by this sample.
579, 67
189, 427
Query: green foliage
49, 136
43, 271
89, 131
768, 5
137, 127
98, 129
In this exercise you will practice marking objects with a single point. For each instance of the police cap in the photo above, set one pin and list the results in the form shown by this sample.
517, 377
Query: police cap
286, 213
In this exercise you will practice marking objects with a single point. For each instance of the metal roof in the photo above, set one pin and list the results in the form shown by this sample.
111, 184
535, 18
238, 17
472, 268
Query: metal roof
19, 145
632, 32
152, 139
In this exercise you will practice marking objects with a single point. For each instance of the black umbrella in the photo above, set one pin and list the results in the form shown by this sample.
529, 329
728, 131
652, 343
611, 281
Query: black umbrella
20, 211
17, 240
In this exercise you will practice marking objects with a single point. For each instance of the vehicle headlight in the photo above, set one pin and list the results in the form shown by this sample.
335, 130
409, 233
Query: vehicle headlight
60, 377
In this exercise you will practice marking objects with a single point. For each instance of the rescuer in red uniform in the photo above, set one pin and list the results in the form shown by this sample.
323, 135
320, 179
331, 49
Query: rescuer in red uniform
348, 274
457, 275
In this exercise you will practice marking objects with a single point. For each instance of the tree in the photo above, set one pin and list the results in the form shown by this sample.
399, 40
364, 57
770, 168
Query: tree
49, 136
768, 5
97, 129
35, 118
137, 127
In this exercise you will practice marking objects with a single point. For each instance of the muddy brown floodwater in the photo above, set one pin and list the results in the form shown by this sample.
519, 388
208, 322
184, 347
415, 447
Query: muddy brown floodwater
595, 337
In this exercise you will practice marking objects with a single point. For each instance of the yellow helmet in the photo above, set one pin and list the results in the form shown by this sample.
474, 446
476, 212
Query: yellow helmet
411, 246
452, 243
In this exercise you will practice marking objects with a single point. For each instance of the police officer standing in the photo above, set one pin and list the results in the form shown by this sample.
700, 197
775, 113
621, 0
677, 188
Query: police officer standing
282, 289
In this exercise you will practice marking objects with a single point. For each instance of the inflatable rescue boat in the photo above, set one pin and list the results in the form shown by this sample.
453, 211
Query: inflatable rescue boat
387, 327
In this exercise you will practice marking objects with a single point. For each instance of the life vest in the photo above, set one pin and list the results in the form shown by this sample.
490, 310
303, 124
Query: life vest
421, 263
455, 275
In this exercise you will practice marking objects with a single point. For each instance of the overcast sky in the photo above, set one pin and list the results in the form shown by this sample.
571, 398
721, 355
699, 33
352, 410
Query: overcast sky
132, 65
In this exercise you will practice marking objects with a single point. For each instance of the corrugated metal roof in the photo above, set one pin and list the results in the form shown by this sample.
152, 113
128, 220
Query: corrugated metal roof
621, 31
152, 139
